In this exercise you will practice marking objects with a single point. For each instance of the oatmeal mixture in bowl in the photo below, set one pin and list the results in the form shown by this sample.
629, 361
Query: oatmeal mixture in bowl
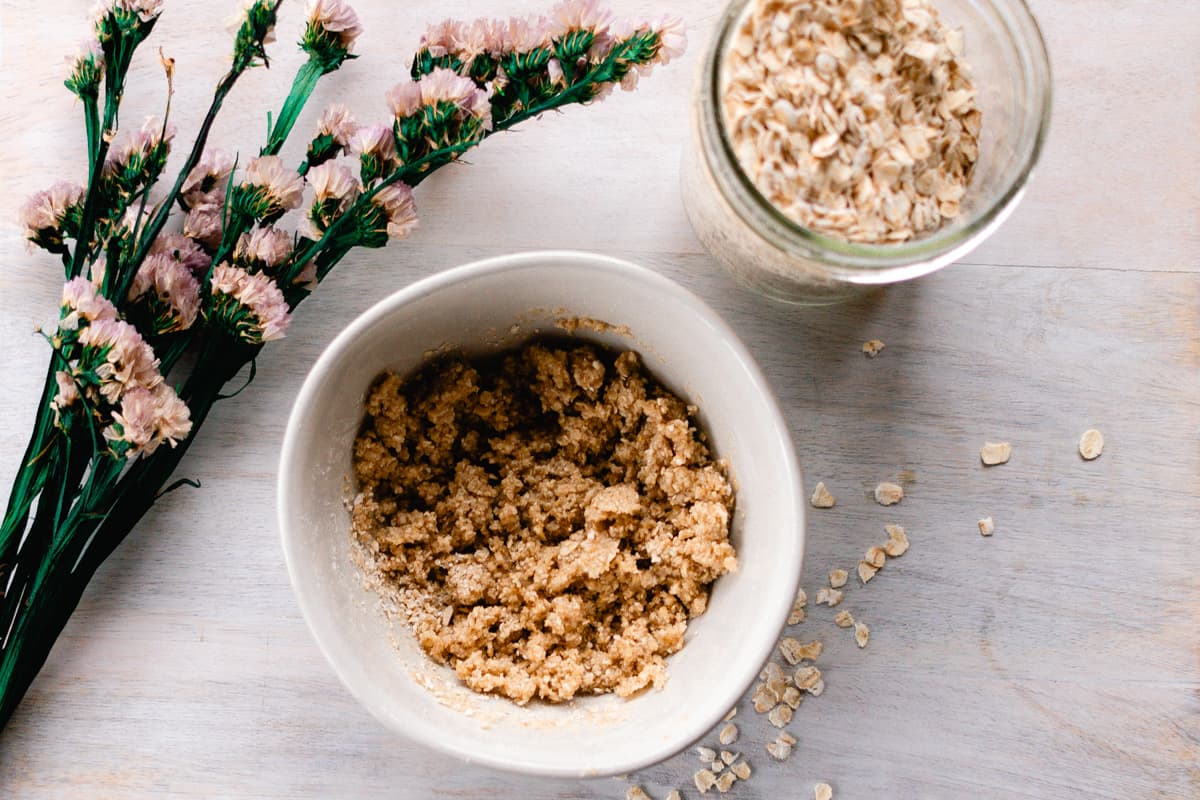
547, 520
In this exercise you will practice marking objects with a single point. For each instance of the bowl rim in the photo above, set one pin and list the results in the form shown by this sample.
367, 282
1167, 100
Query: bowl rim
731, 690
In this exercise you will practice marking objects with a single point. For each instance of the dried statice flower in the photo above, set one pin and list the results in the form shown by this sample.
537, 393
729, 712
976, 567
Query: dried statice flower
83, 304
86, 69
140, 156
375, 147
203, 225
335, 188
335, 130
50, 216
168, 292
207, 180
182, 249
572, 16
146, 420
330, 32
442, 38
118, 357
67, 395
262, 249
396, 201
269, 190
441, 109
248, 306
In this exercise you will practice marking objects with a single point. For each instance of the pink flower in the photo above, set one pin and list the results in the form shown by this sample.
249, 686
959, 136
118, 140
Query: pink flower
234, 23
88, 50
282, 183
47, 210
333, 181
306, 278
521, 35
265, 248
170, 281
66, 396
404, 99
203, 224
207, 181
126, 360
146, 10
442, 38
257, 294
446, 85
554, 71
337, 123
147, 419
140, 144
396, 201
374, 140
575, 15
82, 302
182, 249
672, 38
336, 17
134, 423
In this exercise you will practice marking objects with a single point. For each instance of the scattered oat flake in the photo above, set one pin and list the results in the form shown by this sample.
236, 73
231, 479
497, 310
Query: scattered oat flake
730, 714
762, 701
636, 793
793, 698
716, 766
873, 348
844, 619
866, 571
821, 498
674, 795
797, 615
818, 688
861, 633
986, 526
994, 453
706, 754
888, 494
897, 544
742, 770
837, 578
704, 780
728, 734
725, 782
779, 750
806, 677
728, 757
822, 791
780, 715
1091, 445
875, 556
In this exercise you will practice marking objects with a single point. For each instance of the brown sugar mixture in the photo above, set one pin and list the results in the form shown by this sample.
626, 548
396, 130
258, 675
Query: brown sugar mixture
548, 519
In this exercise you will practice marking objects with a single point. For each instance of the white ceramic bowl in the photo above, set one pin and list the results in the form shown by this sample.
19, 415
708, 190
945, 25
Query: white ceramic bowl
494, 304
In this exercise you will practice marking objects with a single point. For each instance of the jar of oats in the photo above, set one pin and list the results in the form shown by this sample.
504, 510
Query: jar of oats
838, 145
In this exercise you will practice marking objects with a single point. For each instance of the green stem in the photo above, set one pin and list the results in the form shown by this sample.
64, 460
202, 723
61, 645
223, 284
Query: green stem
302, 88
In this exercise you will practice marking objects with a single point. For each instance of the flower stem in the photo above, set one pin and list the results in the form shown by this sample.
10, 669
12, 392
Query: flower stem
302, 88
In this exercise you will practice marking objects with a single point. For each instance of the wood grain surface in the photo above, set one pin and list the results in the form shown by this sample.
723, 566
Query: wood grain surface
1058, 659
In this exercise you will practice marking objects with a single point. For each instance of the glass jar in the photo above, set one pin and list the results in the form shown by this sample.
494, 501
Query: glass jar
770, 253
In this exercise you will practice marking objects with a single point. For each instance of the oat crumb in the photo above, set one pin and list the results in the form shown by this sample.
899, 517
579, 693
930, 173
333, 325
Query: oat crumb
793, 697
706, 754
704, 780
728, 734
837, 578
742, 770
986, 526
807, 677
829, 597
1091, 445
821, 498
994, 453
636, 793
888, 494
866, 571
872, 348
725, 782
728, 757
781, 748
780, 715
897, 544
876, 557
729, 714
861, 633
822, 791
844, 619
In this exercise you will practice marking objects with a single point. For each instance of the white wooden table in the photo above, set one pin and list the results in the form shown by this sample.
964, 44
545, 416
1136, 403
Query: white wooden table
1058, 659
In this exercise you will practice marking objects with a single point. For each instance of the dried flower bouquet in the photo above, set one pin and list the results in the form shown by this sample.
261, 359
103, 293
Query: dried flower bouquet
156, 318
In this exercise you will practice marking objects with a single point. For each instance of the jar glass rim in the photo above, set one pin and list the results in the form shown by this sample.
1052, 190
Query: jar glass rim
1021, 26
